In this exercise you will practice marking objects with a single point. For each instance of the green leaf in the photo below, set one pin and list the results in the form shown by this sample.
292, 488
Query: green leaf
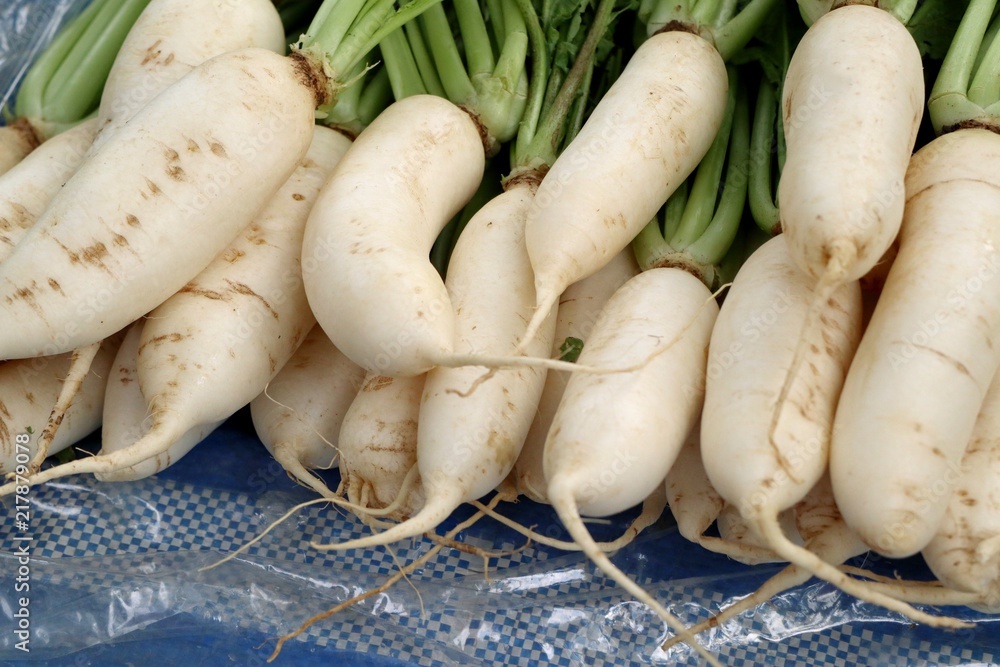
570, 349
933, 26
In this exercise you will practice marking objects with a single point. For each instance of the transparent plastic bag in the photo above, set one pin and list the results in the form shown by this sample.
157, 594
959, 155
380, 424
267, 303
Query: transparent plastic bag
114, 573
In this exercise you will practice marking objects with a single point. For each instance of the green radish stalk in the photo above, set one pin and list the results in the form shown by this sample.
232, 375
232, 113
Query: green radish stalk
64, 84
212, 347
300, 413
378, 444
29, 389
126, 416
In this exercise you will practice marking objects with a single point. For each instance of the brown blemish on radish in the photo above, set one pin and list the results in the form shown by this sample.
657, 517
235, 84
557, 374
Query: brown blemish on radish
233, 255
311, 75
207, 293
54, 284
217, 149
152, 52
175, 173
962, 368
171, 154
193, 146
298, 197
166, 338
377, 383
153, 187
246, 290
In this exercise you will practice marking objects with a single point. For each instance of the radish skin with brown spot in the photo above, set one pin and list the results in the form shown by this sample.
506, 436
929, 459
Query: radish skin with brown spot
378, 442
921, 374
169, 39
470, 430
27, 188
17, 140
645, 136
28, 390
126, 416
759, 466
965, 551
117, 237
366, 253
852, 102
212, 347
752, 347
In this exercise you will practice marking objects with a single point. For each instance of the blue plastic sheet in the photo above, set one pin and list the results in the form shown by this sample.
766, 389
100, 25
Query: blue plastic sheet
114, 569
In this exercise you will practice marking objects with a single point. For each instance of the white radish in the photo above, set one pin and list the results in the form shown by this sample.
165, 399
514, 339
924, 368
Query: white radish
470, 431
169, 39
126, 416
28, 390
300, 413
378, 443
852, 99
615, 437
929, 353
17, 140
696, 506
366, 254
763, 470
212, 347
27, 188
752, 346
643, 139
965, 551
578, 309
115, 242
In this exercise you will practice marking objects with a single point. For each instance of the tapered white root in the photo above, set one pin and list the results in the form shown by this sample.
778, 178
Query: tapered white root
78, 369
384, 587
561, 496
434, 511
164, 432
287, 459
652, 510
770, 530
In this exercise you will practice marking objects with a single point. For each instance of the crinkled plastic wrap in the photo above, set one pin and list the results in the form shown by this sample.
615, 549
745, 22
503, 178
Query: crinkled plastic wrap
113, 573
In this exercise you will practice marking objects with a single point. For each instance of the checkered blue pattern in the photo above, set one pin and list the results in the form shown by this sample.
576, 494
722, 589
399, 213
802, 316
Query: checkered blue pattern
124, 556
